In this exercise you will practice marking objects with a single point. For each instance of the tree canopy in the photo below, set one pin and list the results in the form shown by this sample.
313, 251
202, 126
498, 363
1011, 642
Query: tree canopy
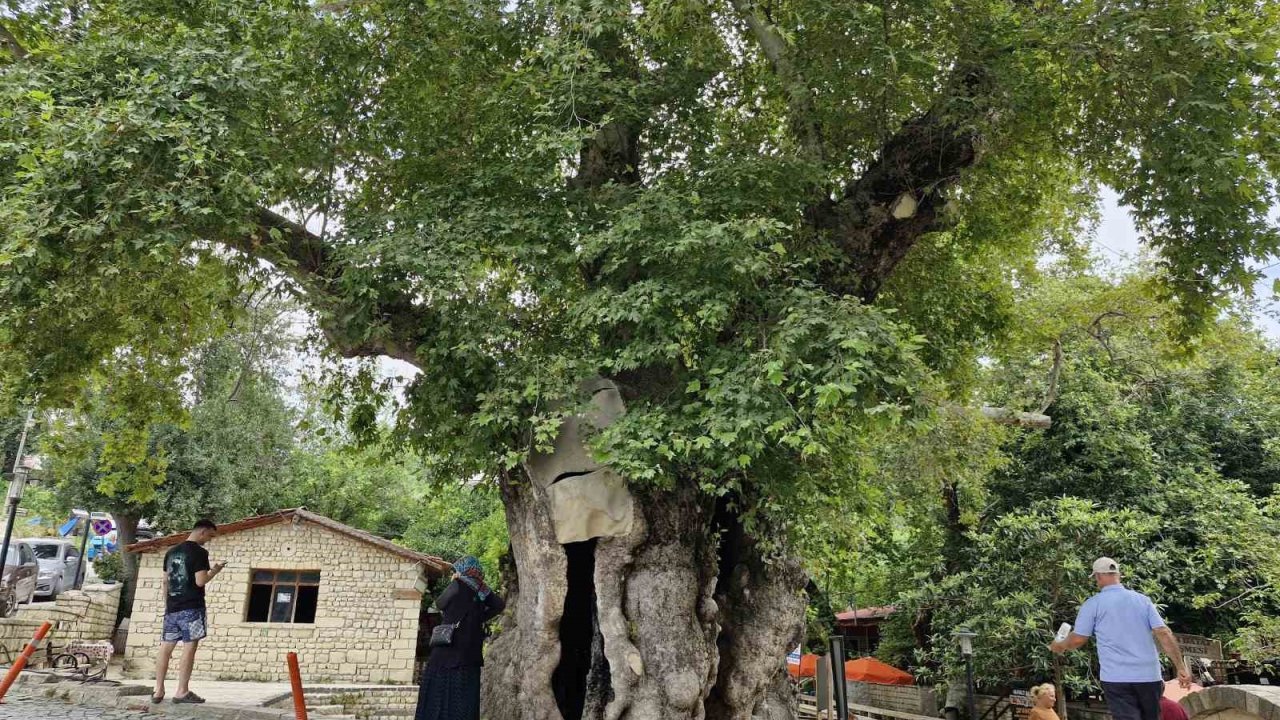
697, 198
785, 229
1143, 463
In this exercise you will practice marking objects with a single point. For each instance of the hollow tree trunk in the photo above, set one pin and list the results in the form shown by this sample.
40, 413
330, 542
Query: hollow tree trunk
680, 618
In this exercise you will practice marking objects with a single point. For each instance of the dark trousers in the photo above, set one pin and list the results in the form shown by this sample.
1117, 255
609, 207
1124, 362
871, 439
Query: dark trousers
1133, 701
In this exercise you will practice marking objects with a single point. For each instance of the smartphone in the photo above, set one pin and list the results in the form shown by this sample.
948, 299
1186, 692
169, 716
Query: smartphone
1063, 631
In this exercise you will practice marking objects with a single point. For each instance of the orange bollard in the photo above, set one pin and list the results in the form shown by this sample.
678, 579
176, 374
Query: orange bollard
295, 680
21, 662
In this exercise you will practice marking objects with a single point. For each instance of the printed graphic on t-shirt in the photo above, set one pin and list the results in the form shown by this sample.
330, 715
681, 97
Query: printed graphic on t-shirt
179, 576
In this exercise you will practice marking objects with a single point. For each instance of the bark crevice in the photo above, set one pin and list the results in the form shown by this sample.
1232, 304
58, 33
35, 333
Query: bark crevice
581, 682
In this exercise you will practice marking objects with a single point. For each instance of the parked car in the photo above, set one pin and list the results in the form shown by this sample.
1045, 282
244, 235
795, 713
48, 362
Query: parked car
18, 581
59, 561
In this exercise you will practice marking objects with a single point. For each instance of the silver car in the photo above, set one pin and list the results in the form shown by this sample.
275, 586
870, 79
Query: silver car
59, 561
18, 579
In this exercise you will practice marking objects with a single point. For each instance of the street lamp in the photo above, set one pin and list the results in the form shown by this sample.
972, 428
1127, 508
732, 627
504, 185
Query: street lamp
16, 485
966, 636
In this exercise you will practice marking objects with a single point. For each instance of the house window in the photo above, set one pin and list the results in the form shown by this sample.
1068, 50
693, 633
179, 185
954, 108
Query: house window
283, 596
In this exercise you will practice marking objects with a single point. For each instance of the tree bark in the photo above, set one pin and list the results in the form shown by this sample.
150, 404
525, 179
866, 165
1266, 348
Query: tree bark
681, 618
126, 535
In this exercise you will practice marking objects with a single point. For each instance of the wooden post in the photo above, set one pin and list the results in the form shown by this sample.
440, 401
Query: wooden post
822, 688
295, 683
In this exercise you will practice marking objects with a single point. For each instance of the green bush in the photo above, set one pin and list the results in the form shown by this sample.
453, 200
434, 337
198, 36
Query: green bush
109, 567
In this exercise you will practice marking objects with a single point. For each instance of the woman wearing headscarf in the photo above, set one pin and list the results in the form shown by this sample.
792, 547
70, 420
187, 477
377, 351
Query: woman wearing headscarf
451, 681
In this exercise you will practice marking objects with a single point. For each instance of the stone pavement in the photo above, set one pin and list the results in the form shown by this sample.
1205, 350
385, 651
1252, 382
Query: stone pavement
32, 708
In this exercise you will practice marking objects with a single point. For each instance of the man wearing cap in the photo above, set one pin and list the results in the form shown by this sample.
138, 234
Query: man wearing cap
1127, 626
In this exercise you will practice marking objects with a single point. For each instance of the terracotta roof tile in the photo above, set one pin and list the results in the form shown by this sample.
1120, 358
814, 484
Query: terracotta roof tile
432, 562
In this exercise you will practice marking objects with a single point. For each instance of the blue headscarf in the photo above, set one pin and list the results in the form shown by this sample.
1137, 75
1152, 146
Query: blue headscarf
469, 572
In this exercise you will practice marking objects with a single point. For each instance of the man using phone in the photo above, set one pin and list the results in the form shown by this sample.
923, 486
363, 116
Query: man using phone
186, 573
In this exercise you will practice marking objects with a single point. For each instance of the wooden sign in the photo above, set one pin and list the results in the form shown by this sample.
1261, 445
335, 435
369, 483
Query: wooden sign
1198, 646
1022, 703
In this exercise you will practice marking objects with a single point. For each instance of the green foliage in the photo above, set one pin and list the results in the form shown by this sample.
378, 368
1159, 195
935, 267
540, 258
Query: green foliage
440, 153
1027, 572
1141, 464
134, 447
139, 139
41, 501
453, 520
109, 567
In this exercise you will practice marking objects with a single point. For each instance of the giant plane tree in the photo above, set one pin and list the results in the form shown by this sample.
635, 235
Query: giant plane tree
666, 268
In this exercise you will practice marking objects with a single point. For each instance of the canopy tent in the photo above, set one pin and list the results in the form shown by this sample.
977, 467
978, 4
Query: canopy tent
865, 669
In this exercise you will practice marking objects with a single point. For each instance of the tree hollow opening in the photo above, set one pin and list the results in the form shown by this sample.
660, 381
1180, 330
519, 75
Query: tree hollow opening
581, 679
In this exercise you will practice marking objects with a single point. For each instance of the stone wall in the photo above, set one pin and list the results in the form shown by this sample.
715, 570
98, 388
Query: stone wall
15, 633
1234, 702
366, 618
366, 703
900, 698
1075, 710
88, 615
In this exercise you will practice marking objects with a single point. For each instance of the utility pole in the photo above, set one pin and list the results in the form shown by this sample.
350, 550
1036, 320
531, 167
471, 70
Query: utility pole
84, 547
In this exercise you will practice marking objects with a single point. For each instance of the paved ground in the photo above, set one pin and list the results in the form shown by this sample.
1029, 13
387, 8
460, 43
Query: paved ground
20, 708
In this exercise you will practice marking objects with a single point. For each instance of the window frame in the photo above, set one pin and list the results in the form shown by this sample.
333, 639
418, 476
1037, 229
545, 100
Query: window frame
276, 585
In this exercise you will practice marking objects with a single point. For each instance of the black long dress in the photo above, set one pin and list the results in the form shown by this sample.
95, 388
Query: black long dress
451, 681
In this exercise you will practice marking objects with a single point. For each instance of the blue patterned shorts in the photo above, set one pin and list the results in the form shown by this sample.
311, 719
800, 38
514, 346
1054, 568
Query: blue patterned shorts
184, 626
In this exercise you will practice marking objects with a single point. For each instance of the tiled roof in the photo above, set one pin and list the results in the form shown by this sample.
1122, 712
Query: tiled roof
432, 562
860, 614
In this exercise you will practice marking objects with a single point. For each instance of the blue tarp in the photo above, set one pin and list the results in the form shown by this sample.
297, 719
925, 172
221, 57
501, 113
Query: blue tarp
69, 526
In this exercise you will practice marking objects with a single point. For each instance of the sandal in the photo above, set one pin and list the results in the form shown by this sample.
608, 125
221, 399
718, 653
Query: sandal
190, 697
157, 699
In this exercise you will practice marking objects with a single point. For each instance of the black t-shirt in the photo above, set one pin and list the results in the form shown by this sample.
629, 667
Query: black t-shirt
181, 565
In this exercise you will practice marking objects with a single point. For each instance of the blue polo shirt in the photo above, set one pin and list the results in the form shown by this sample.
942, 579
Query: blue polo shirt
1122, 620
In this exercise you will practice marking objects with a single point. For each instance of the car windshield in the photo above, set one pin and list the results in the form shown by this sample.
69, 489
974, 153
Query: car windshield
45, 551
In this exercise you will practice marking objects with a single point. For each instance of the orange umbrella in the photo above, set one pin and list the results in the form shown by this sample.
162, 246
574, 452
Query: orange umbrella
807, 666
865, 669
871, 670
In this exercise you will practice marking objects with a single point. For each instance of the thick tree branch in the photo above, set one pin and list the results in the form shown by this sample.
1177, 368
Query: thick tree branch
1055, 373
291, 247
900, 196
10, 42
612, 154
1005, 416
393, 326
800, 98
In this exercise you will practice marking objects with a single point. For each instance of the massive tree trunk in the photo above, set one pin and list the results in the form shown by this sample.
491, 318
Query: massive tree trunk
679, 618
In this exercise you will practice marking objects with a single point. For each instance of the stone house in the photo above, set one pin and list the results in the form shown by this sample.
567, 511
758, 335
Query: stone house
348, 602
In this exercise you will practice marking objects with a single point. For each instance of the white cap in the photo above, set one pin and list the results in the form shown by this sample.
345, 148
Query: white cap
1105, 566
